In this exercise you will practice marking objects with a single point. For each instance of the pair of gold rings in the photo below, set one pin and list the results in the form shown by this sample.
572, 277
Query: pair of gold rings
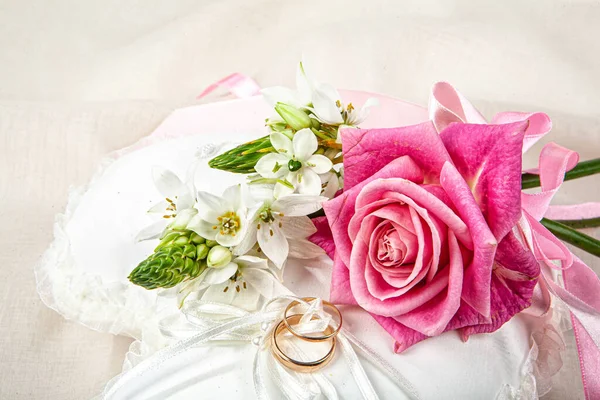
286, 324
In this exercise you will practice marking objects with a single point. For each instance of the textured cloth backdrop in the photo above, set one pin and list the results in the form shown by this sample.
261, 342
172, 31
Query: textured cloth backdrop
80, 79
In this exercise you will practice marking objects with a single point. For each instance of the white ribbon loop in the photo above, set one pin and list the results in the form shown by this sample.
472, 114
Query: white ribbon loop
212, 321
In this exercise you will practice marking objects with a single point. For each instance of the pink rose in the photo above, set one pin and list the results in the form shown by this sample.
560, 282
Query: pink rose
423, 231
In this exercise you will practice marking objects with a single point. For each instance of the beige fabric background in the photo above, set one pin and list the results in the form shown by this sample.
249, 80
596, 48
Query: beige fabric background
79, 79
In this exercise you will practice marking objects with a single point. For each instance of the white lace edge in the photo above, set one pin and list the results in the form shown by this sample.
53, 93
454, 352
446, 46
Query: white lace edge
113, 307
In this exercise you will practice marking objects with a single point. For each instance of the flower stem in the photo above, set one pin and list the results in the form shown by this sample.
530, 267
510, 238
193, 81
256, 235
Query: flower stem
570, 235
580, 223
584, 168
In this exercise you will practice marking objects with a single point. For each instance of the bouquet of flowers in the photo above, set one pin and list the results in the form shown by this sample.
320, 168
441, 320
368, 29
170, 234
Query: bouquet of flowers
430, 227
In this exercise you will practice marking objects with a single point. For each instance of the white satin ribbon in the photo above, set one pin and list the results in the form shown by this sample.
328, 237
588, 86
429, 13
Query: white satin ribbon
211, 322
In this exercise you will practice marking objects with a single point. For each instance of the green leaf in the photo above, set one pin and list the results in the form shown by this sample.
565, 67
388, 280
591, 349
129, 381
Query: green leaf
570, 235
584, 168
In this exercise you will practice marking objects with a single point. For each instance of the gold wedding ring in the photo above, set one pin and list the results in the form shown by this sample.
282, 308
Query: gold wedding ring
296, 365
327, 336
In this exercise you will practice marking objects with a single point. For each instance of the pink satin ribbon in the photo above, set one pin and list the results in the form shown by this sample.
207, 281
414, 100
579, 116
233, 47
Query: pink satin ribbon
581, 291
237, 84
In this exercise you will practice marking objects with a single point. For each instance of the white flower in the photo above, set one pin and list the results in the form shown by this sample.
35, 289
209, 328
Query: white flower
331, 183
178, 197
295, 163
240, 283
329, 109
280, 225
301, 97
323, 100
221, 218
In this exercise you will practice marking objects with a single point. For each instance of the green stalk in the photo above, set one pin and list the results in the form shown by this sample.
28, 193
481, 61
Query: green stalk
570, 235
584, 168
580, 223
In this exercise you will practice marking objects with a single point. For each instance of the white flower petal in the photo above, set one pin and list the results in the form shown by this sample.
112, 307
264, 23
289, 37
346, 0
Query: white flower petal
233, 197
297, 227
228, 240
248, 242
280, 94
261, 193
160, 208
329, 91
167, 183
324, 106
281, 143
247, 298
220, 275
152, 231
184, 200
273, 165
304, 84
365, 109
261, 280
332, 185
298, 204
203, 228
304, 249
305, 144
273, 243
183, 218
282, 190
318, 163
309, 182
210, 206
266, 283
248, 261
218, 294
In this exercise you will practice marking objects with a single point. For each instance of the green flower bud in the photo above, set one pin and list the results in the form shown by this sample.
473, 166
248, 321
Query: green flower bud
211, 243
202, 251
218, 257
183, 218
294, 117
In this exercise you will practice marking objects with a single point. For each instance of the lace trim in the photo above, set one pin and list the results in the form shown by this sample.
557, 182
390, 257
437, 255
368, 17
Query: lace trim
113, 307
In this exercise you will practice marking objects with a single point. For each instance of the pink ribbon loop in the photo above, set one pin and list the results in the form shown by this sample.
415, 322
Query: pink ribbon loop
239, 85
555, 160
447, 105
581, 293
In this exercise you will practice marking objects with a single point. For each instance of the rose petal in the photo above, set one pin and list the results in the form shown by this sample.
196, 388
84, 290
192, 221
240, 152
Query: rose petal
367, 151
392, 187
489, 158
341, 293
323, 238
478, 275
513, 281
340, 209
432, 317
539, 125
392, 306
